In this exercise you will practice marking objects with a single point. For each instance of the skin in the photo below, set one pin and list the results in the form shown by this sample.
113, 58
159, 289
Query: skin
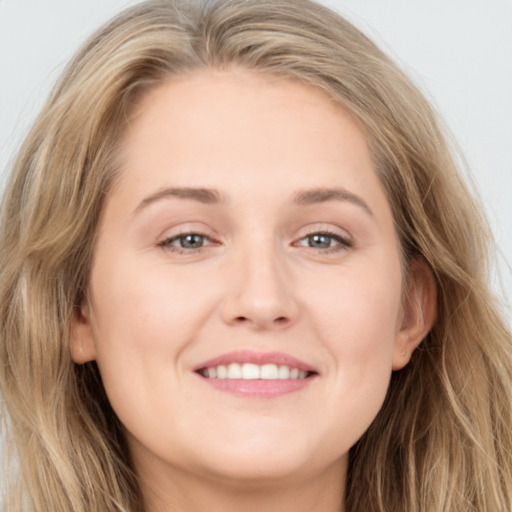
156, 310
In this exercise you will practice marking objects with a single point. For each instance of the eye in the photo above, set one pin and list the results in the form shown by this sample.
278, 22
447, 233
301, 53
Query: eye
186, 242
325, 240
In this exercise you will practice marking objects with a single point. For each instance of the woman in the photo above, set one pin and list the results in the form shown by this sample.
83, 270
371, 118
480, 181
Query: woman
241, 272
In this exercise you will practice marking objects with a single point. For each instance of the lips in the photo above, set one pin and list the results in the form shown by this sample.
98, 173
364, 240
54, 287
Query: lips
262, 374
251, 371
257, 358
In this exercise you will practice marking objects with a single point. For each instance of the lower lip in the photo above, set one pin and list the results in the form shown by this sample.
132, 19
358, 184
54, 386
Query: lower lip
260, 388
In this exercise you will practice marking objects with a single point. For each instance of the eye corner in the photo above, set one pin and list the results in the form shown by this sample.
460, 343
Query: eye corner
187, 242
325, 241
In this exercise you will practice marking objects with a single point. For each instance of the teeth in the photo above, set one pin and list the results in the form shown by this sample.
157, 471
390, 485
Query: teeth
269, 371
234, 371
250, 371
284, 372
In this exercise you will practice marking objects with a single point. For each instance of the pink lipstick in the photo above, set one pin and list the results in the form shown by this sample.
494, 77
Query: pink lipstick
260, 374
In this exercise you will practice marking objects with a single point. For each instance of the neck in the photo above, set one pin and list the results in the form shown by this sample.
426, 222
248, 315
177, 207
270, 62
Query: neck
177, 491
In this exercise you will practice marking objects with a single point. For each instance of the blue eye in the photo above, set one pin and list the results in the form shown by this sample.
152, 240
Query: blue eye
190, 241
186, 242
324, 241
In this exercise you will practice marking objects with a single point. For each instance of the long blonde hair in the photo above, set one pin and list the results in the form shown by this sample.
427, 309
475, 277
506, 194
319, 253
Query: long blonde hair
443, 439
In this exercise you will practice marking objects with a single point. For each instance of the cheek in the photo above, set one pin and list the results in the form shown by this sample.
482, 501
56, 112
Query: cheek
359, 312
150, 307
358, 323
141, 326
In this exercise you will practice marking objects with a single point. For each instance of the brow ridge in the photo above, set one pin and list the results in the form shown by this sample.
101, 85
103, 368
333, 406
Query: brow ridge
322, 195
212, 196
202, 195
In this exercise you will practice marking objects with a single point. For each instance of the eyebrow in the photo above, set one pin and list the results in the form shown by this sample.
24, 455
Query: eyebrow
322, 195
202, 195
212, 196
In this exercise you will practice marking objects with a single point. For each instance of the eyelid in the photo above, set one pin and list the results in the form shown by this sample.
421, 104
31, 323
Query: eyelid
172, 238
165, 241
191, 228
327, 229
345, 240
185, 228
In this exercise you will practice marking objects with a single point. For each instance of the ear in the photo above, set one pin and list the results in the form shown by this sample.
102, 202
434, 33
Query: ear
419, 312
81, 343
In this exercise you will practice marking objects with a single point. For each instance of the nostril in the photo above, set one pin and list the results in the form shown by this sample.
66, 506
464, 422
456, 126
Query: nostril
279, 321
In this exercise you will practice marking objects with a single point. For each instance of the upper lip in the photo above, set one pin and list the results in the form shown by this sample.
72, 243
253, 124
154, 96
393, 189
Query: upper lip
259, 358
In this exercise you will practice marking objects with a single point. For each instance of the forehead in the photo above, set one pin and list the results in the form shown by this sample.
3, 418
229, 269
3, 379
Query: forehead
239, 131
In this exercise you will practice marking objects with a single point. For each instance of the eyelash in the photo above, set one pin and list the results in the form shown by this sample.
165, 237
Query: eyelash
343, 243
167, 243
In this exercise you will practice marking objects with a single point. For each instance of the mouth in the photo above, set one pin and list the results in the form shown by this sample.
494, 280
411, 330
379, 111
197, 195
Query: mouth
249, 373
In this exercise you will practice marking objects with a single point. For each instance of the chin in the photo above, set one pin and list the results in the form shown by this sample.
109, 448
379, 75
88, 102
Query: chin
259, 461
267, 469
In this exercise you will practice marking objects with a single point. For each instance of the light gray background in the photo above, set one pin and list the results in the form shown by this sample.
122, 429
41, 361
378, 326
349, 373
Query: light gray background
458, 51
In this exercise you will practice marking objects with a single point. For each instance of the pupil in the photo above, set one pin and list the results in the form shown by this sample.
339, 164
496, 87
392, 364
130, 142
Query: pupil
319, 241
192, 241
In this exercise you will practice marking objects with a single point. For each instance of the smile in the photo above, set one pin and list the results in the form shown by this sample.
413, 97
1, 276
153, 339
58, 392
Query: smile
248, 373
251, 371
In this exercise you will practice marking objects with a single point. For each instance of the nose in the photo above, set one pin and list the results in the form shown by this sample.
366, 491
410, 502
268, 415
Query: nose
261, 293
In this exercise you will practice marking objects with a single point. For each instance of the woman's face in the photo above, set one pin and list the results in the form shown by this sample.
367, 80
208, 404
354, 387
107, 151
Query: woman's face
245, 301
